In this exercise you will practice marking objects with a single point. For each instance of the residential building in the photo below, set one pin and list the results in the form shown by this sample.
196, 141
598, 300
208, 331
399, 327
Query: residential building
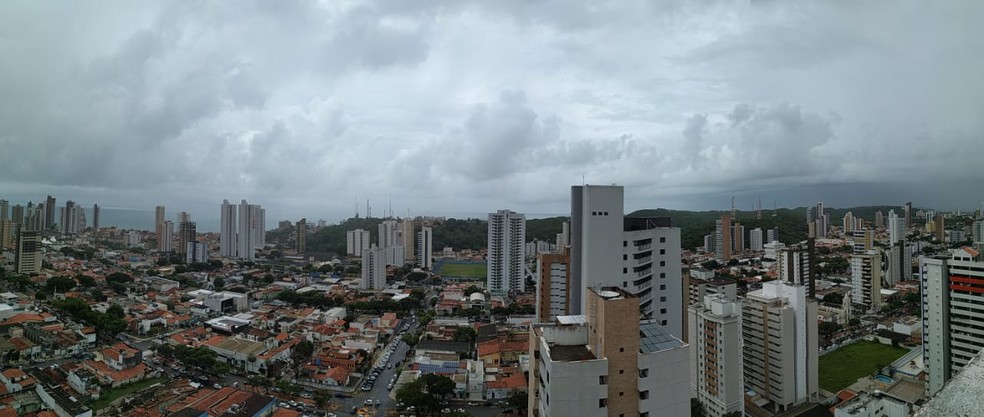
755, 239
49, 213
27, 258
164, 237
716, 356
408, 239
6, 234
553, 274
899, 266
700, 288
779, 329
300, 236
4, 210
72, 218
848, 223
196, 252
709, 244
17, 214
604, 364
639, 255
877, 404
938, 228
373, 269
95, 217
251, 229
864, 240
425, 245
907, 214
506, 237
866, 282
738, 238
159, 215
896, 227
227, 229
722, 238
187, 233
564, 237
879, 220
356, 242
388, 233
952, 288
796, 265
772, 235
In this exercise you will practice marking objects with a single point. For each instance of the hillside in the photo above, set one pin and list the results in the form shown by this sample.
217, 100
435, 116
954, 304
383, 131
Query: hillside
471, 233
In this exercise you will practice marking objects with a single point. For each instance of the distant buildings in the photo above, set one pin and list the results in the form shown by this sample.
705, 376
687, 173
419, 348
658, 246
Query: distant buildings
953, 290
605, 364
772, 235
164, 237
356, 241
722, 238
638, 255
896, 227
227, 229
899, 266
241, 231
196, 252
6, 234
755, 239
408, 236
72, 218
506, 239
817, 221
425, 245
186, 233
95, 217
300, 236
391, 241
779, 328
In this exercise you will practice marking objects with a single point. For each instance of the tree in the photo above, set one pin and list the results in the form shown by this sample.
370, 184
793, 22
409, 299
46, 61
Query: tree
854, 322
465, 334
828, 328
218, 283
696, 408
85, 281
301, 354
120, 277
519, 400
833, 298
60, 284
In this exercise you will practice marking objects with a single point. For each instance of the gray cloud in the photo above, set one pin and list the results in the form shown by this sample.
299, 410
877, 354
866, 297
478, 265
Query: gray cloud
314, 105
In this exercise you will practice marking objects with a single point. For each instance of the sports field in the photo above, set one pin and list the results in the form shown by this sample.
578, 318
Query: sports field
463, 270
842, 367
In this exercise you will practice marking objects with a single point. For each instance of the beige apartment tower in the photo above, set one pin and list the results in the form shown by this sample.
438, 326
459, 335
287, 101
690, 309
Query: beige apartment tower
553, 271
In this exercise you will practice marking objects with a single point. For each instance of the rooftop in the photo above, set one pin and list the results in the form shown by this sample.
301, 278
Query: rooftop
654, 338
573, 353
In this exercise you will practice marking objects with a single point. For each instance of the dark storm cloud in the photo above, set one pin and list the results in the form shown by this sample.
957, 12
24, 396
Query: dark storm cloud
506, 103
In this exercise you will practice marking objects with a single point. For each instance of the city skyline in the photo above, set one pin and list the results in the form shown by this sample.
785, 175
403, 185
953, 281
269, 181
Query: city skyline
788, 102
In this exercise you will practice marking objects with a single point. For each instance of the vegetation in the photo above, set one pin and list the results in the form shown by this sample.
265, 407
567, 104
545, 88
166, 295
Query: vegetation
107, 397
426, 392
110, 322
463, 270
844, 366
200, 357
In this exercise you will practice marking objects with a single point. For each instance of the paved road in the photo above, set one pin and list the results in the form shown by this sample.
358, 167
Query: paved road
379, 393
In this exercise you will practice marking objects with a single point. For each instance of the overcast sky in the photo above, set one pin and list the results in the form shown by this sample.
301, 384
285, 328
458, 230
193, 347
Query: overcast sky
466, 107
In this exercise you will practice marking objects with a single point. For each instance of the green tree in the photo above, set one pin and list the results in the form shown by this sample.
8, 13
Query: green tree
85, 281
519, 400
828, 328
465, 334
60, 284
218, 283
696, 408
301, 354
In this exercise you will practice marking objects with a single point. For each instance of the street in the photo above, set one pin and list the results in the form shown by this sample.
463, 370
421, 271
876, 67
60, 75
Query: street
379, 392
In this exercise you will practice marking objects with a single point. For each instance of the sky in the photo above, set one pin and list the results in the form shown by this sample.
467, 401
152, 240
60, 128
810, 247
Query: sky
461, 108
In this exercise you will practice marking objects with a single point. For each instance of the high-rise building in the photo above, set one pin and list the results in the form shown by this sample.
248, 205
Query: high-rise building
866, 282
259, 227
425, 243
709, 244
34, 220
373, 269
4, 210
907, 213
772, 235
95, 217
17, 214
899, 266
564, 237
738, 238
755, 239
722, 238
779, 329
717, 357
879, 220
159, 215
187, 233
848, 223
702, 283
977, 231
27, 257
72, 218
896, 227
604, 364
939, 229
227, 230
165, 236
817, 221
796, 265
49, 212
183, 217
553, 274
357, 241
249, 231
388, 232
506, 237
639, 255
408, 239
952, 290
6, 234
196, 252
863, 239
300, 236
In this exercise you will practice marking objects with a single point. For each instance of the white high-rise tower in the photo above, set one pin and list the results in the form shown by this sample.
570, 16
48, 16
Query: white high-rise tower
506, 239
227, 231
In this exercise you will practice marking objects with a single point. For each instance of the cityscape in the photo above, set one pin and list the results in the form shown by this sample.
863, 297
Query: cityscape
607, 208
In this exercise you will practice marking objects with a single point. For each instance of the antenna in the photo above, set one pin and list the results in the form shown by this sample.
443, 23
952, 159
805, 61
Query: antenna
732, 207
758, 215
368, 210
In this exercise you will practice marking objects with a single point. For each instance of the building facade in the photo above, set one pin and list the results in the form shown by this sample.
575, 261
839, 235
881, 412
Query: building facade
356, 241
506, 239
866, 282
373, 268
425, 247
716, 356
27, 258
553, 274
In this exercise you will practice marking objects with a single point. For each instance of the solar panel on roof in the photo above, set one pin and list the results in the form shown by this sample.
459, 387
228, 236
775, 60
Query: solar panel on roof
654, 338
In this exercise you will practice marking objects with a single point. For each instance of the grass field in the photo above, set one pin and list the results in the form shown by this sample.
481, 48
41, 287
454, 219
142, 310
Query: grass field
843, 367
463, 270
112, 395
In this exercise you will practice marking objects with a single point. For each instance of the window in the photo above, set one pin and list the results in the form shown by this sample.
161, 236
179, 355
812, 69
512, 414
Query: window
662, 251
662, 286
625, 270
621, 371
625, 283
625, 257
662, 299
662, 274
644, 395
662, 311
645, 414
606, 213
662, 240
621, 393
602, 403
621, 349
603, 380
625, 243
663, 323
662, 263
644, 373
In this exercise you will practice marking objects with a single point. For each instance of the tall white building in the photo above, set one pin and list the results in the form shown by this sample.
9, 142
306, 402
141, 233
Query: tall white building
638, 255
196, 252
356, 242
425, 248
899, 266
506, 239
605, 364
716, 357
165, 239
227, 229
896, 227
779, 329
388, 232
755, 239
564, 237
952, 291
866, 282
249, 231
796, 265
373, 268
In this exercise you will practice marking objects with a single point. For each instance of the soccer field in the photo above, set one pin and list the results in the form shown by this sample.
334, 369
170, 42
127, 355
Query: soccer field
843, 367
463, 270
